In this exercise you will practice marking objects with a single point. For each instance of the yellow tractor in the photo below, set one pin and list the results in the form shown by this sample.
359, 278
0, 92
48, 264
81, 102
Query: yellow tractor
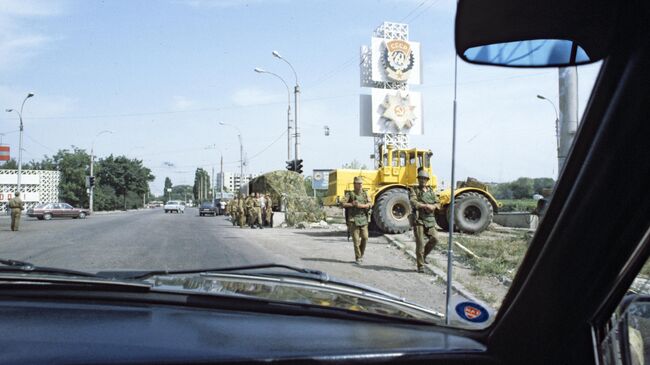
388, 187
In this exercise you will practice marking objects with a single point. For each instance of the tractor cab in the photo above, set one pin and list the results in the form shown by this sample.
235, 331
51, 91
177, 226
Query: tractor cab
401, 166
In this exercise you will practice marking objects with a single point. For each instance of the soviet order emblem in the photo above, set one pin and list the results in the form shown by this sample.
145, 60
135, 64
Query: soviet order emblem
398, 60
399, 111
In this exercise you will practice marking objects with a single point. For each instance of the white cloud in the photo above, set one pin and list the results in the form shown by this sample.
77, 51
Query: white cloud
18, 42
31, 8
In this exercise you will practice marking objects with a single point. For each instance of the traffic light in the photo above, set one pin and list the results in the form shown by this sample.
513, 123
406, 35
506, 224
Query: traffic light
298, 166
291, 165
91, 180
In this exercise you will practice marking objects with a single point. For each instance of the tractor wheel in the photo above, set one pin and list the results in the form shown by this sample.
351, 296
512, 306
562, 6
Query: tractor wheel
473, 212
442, 218
392, 210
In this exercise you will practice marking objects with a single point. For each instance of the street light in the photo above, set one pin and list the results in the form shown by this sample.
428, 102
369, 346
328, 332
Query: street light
241, 152
262, 71
92, 175
20, 141
557, 129
296, 93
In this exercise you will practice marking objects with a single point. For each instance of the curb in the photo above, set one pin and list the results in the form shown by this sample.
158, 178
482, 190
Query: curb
436, 271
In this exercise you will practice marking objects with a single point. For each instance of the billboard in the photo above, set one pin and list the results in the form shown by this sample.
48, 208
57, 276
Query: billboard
395, 60
320, 179
4, 153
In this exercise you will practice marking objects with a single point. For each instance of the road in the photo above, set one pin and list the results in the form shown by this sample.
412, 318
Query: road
153, 240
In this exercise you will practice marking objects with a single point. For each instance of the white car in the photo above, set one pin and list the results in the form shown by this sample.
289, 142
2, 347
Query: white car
174, 206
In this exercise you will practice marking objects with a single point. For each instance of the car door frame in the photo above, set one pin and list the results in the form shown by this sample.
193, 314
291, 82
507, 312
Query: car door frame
591, 242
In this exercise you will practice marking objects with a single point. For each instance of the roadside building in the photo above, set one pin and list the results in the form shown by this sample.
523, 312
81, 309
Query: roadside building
37, 187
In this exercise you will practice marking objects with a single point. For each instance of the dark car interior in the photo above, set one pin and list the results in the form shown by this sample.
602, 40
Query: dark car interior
590, 245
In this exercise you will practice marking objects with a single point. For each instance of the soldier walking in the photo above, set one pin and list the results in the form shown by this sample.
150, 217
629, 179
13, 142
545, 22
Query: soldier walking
359, 208
424, 202
16, 205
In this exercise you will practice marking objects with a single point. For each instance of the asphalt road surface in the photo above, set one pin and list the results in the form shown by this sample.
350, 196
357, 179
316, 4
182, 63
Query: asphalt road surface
135, 240
153, 240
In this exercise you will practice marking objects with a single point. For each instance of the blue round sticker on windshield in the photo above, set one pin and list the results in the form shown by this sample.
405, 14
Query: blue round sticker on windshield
472, 312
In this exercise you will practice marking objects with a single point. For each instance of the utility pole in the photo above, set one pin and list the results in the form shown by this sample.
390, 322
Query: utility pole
213, 183
296, 96
568, 85
221, 178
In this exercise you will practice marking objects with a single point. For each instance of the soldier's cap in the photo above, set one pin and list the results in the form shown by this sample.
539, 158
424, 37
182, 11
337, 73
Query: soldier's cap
423, 175
358, 180
17, 193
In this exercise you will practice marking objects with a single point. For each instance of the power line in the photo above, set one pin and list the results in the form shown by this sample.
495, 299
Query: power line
412, 11
424, 10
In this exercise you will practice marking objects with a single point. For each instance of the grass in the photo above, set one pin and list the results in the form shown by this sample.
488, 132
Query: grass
500, 255
517, 205
487, 297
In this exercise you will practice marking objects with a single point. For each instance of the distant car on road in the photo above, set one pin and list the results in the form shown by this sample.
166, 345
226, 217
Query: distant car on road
155, 204
174, 206
53, 210
207, 209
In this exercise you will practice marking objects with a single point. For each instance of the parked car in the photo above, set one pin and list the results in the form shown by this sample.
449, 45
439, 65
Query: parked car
52, 210
207, 208
174, 206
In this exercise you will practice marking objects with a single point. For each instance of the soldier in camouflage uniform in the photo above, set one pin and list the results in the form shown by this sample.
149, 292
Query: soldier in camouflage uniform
231, 210
253, 211
268, 216
241, 212
16, 205
359, 208
424, 202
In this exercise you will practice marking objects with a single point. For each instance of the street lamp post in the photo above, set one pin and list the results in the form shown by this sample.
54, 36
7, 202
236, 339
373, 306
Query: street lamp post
20, 140
259, 70
241, 152
557, 131
296, 94
91, 188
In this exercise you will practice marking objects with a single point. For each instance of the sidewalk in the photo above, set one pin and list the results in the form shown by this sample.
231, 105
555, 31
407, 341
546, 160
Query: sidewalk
327, 249
484, 289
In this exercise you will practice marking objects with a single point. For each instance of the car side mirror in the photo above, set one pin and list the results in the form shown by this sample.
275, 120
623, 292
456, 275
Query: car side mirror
551, 33
627, 330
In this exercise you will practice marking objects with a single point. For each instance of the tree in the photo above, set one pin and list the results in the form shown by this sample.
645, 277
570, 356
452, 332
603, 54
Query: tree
125, 176
522, 188
354, 165
74, 166
12, 164
168, 185
202, 188
182, 192
542, 183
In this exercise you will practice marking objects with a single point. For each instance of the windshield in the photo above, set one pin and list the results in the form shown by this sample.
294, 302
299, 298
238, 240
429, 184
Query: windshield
329, 143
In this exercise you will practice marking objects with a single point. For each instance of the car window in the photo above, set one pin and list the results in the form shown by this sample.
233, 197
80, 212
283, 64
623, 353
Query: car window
123, 105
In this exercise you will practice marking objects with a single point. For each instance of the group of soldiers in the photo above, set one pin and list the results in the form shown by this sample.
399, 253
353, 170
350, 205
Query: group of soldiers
255, 210
424, 202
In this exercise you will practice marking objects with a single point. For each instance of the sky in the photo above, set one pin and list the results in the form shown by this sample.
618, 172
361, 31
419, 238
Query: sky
162, 75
